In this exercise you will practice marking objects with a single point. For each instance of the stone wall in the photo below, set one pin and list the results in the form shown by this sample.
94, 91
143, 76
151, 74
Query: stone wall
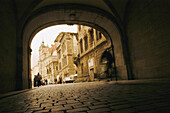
8, 47
147, 27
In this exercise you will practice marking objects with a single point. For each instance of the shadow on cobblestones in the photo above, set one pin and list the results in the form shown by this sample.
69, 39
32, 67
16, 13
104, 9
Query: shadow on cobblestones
94, 97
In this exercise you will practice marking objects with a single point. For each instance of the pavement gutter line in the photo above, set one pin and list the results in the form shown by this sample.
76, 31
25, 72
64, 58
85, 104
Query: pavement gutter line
5, 95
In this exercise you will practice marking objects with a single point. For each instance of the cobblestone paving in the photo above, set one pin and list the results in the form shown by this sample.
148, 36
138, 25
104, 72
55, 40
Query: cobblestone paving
94, 97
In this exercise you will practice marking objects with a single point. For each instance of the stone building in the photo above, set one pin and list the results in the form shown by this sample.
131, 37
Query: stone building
48, 65
66, 51
139, 30
91, 45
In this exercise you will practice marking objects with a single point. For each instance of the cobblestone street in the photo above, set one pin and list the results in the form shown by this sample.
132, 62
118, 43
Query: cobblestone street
91, 97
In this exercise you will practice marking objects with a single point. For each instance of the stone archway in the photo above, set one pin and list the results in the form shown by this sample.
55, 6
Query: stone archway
71, 14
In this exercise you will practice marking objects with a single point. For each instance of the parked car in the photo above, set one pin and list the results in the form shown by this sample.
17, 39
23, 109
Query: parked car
70, 79
73, 76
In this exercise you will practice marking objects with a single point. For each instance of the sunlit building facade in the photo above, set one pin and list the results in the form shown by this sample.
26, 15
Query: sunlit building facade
75, 53
91, 45
48, 64
67, 49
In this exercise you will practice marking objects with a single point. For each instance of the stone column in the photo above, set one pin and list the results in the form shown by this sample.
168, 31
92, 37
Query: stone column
89, 40
29, 71
83, 42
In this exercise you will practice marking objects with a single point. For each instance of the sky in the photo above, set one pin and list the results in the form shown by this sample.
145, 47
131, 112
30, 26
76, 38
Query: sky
48, 35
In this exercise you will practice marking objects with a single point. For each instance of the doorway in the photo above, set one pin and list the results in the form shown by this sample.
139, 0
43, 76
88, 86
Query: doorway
92, 74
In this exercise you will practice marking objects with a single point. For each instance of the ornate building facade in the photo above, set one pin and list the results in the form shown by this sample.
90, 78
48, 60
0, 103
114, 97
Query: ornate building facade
75, 53
66, 51
47, 63
91, 46
59, 58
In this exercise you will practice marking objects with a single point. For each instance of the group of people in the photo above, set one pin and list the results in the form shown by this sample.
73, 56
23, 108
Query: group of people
58, 80
38, 80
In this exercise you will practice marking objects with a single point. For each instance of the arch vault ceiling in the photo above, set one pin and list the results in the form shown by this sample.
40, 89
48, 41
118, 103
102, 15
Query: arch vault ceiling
24, 8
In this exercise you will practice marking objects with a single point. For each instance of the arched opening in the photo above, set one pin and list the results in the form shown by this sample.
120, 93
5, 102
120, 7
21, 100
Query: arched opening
60, 51
45, 47
82, 15
108, 60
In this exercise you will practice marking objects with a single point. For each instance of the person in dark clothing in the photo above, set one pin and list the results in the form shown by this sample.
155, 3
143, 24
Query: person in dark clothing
55, 80
39, 79
60, 79
35, 80
109, 61
46, 81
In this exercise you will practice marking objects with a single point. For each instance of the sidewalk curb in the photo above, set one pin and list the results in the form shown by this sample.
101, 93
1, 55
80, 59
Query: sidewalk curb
12, 93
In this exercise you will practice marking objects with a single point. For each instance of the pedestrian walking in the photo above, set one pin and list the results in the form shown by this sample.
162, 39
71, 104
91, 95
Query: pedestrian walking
35, 80
55, 80
46, 81
60, 79
39, 77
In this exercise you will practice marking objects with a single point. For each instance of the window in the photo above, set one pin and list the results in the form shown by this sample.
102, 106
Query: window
47, 71
63, 47
60, 66
59, 54
99, 35
91, 32
86, 42
82, 68
50, 70
64, 61
81, 46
